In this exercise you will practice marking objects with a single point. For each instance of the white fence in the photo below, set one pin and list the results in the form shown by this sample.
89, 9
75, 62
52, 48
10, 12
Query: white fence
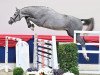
20, 50
89, 51
6, 50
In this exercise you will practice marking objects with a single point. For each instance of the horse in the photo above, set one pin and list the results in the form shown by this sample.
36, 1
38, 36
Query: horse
46, 17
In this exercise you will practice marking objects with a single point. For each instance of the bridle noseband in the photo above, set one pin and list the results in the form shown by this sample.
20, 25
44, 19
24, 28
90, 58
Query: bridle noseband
14, 19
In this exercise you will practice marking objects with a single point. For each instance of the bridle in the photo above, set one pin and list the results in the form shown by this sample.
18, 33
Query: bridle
14, 19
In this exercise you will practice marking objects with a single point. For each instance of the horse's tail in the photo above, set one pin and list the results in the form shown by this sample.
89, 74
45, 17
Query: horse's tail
89, 23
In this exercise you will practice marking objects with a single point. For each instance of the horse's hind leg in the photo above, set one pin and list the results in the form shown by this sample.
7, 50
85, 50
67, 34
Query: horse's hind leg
80, 40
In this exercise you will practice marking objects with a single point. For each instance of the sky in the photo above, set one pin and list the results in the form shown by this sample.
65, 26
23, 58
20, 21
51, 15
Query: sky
77, 8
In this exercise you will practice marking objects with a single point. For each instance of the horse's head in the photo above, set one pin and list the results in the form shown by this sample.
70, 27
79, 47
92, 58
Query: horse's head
15, 17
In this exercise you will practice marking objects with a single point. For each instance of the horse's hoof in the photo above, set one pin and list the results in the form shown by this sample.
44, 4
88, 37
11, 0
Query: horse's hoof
87, 58
32, 28
29, 25
32, 25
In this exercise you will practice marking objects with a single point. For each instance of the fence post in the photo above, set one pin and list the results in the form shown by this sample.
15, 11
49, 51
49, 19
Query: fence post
74, 36
35, 52
54, 54
6, 54
99, 52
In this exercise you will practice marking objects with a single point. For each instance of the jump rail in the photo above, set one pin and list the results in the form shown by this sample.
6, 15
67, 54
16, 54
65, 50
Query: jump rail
93, 52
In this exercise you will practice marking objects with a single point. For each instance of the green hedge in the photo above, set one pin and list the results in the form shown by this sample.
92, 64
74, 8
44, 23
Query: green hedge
68, 58
18, 71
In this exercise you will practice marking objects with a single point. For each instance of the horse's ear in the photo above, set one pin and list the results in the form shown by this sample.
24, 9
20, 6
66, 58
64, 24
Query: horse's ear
17, 9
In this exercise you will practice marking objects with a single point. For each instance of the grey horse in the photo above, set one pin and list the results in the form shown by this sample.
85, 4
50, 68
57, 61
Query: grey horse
48, 18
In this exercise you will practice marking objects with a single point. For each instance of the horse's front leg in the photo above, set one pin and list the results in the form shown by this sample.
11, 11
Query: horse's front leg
28, 22
38, 22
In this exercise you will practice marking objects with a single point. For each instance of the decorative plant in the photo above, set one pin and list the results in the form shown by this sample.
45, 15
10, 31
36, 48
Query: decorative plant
68, 58
42, 73
18, 71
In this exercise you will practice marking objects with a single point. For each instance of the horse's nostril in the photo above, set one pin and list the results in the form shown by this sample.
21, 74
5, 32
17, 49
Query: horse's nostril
10, 22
